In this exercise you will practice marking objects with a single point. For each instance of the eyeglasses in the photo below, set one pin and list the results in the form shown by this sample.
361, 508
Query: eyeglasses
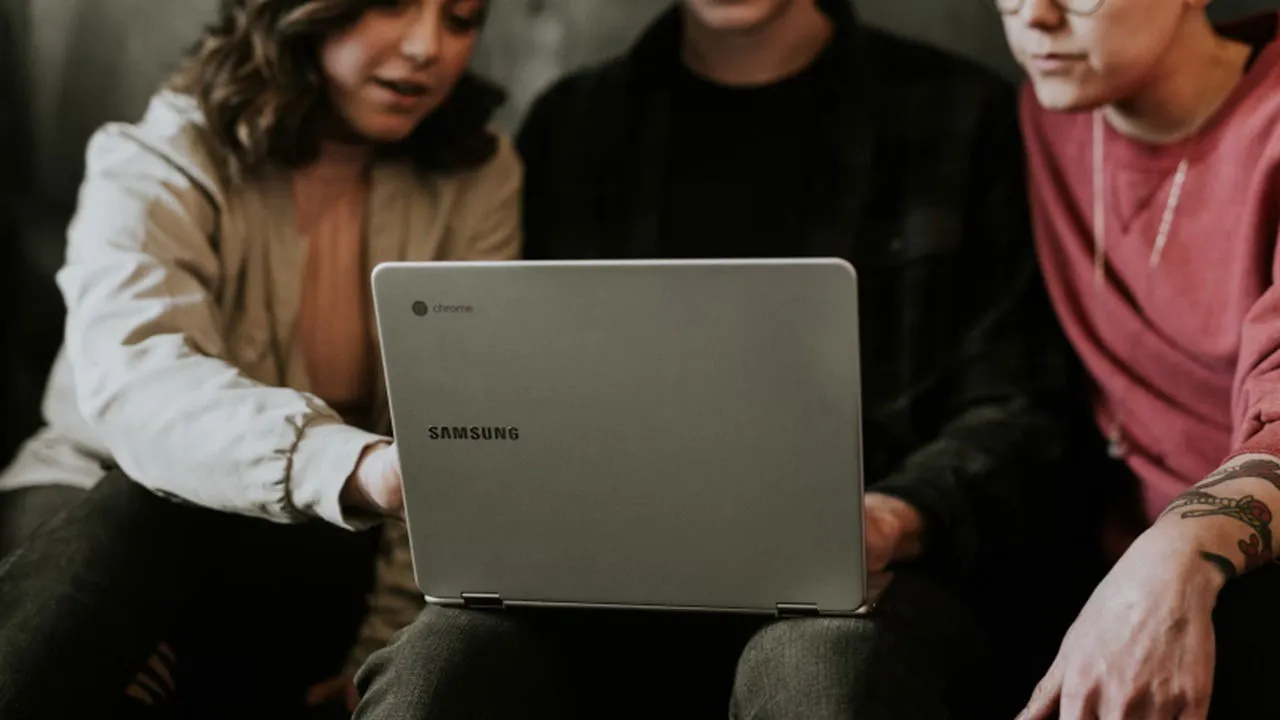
1073, 7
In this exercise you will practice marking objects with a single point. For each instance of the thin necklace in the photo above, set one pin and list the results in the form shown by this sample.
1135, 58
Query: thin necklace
1115, 435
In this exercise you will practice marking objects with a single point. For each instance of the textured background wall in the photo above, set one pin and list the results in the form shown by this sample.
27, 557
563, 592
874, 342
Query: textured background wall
530, 42
83, 62
95, 60
67, 66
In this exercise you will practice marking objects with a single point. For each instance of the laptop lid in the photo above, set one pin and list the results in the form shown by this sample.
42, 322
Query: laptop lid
658, 434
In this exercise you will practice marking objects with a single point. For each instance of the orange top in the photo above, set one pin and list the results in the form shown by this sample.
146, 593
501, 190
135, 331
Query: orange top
332, 328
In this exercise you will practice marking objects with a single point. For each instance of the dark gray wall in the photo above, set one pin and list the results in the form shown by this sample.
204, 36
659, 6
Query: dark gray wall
530, 42
67, 66
89, 61
97, 60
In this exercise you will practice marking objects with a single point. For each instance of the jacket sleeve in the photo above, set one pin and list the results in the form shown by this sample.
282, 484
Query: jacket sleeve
145, 342
979, 483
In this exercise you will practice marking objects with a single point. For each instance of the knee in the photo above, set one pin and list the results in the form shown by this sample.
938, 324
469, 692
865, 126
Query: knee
802, 668
919, 654
449, 661
793, 643
25, 510
463, 638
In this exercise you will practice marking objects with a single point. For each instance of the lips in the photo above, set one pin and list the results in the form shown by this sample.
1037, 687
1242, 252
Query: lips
1052, 63
404, 88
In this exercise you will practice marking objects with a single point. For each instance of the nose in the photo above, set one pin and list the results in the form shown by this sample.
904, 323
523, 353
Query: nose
422, 33
1043, 14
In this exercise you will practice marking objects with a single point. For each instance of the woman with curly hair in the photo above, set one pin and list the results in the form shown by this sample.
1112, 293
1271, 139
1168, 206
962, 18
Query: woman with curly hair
217, 411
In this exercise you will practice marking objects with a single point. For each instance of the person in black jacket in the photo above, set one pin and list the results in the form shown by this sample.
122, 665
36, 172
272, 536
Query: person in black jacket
772, 128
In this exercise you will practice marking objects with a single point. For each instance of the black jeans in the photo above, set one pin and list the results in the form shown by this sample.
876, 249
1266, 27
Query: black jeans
255, 612
936, 646
920, 654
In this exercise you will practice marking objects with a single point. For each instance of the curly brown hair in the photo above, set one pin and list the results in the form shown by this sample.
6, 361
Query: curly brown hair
256, 75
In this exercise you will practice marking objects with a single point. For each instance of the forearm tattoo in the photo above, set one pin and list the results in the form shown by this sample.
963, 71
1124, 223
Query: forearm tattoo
1224, 566
1196, 503
1259, 469
1248, 510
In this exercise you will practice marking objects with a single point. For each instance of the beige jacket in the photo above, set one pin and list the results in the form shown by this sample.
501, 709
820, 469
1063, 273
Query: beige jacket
182, 291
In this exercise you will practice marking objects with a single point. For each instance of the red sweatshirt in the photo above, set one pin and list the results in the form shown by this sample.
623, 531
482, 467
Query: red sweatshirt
1185, 357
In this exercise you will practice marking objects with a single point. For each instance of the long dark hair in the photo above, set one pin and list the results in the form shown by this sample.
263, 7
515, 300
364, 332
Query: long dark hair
256, 75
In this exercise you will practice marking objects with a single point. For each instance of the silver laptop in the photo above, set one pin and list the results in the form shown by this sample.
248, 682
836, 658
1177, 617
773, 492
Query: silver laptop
679, 435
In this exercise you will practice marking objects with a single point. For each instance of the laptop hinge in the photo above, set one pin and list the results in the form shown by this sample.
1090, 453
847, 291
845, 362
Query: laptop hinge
797, 610
482, 601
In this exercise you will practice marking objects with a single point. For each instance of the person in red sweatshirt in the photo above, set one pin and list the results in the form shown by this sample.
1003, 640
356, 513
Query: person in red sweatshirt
1153, 143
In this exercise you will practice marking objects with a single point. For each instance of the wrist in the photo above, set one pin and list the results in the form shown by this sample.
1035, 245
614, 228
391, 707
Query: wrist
353, 496
355, 493
1203, 561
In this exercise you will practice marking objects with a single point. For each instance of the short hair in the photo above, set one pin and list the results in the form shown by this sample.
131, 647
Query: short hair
256, 76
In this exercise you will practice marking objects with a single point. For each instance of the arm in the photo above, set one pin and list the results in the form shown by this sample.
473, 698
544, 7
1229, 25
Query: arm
152, 371
976, 485
492, 221
1146, 637
1227, 520
486, 224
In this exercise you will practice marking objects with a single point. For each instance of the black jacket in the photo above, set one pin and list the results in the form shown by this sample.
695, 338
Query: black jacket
964, 367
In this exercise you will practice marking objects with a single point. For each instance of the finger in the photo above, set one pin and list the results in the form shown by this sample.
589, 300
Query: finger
167, 652
161, 669
151, 686
1079, 700
1194, 709
1162, 703
353, 697
1045, 698
139, 694
1141, 705
320, 693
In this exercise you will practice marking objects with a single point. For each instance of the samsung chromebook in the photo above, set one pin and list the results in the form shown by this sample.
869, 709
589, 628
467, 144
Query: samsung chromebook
679, 435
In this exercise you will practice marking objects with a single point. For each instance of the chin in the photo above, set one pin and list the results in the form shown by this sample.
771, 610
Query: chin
734, 15
1064, 96
387, 130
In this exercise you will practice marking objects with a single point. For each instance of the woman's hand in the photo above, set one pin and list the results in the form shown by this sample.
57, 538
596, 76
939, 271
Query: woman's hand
376, 485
